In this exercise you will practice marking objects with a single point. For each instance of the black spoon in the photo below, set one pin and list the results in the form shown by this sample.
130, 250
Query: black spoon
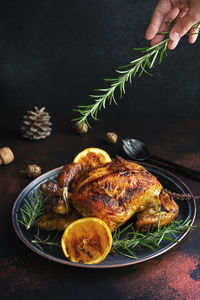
137, 150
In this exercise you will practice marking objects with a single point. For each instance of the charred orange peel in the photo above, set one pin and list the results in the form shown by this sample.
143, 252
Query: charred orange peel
87, 241
92, 157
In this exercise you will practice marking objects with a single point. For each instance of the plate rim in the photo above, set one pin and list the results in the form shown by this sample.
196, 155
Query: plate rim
167, 174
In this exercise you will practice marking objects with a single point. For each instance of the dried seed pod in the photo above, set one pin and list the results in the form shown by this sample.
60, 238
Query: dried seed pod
32, 171
6, 156
111, 137
81, 128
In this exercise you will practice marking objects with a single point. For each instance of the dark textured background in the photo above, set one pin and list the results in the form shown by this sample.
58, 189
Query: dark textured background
54, 53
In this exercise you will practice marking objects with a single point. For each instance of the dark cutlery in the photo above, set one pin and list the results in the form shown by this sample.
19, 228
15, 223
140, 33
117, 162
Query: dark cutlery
137, 150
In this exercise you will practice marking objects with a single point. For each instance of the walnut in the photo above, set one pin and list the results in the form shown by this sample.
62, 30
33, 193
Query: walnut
81, 128
32, 171
111, 137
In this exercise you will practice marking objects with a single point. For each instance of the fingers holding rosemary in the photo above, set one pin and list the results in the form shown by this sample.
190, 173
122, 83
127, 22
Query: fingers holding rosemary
186, 16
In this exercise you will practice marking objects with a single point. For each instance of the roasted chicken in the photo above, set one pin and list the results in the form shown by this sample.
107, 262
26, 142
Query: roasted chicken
113, 192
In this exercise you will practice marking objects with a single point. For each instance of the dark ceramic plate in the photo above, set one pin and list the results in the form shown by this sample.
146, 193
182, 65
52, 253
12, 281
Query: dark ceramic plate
169, 181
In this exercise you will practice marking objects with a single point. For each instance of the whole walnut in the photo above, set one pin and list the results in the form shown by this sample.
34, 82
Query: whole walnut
81, 128
111, 137
33, 171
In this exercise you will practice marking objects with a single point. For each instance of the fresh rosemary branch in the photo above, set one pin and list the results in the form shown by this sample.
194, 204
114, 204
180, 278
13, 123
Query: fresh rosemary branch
127, 241
136, 67
53, 239
134, 240
33, 207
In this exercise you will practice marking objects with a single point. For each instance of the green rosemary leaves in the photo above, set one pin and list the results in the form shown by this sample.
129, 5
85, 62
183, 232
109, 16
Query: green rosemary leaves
136, 67
52, 239
127, 241
33, 208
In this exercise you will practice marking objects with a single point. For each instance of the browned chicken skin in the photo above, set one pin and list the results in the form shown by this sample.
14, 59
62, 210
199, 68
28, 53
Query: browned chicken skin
51, 221
116, 191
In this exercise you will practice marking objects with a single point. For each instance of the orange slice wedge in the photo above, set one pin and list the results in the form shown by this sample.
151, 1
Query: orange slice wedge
92, 157
87, 241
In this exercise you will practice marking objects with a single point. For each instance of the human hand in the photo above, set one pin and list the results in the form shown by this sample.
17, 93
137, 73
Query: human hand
186, 13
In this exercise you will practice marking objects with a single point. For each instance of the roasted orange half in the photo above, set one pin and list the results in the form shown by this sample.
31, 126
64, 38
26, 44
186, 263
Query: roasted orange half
92, 157
87, 241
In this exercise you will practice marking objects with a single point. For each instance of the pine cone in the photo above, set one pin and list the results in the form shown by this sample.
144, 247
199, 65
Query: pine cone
36, 124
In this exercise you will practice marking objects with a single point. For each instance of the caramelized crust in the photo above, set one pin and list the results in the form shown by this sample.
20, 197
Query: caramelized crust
115, 191
67, 174
52, 221
51, 189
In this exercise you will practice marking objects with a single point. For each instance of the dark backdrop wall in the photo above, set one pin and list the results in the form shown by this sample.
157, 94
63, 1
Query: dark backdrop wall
54, 53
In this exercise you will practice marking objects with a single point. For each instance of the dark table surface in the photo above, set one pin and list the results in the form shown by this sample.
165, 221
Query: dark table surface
53, 53
23, 273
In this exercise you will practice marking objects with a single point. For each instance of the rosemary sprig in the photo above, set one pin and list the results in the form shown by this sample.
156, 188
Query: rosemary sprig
135, 240
53, 239
33, 207
126, 241
136, 67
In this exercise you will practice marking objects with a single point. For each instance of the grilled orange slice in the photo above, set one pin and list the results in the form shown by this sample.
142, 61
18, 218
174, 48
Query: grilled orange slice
87, 241
92, 157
